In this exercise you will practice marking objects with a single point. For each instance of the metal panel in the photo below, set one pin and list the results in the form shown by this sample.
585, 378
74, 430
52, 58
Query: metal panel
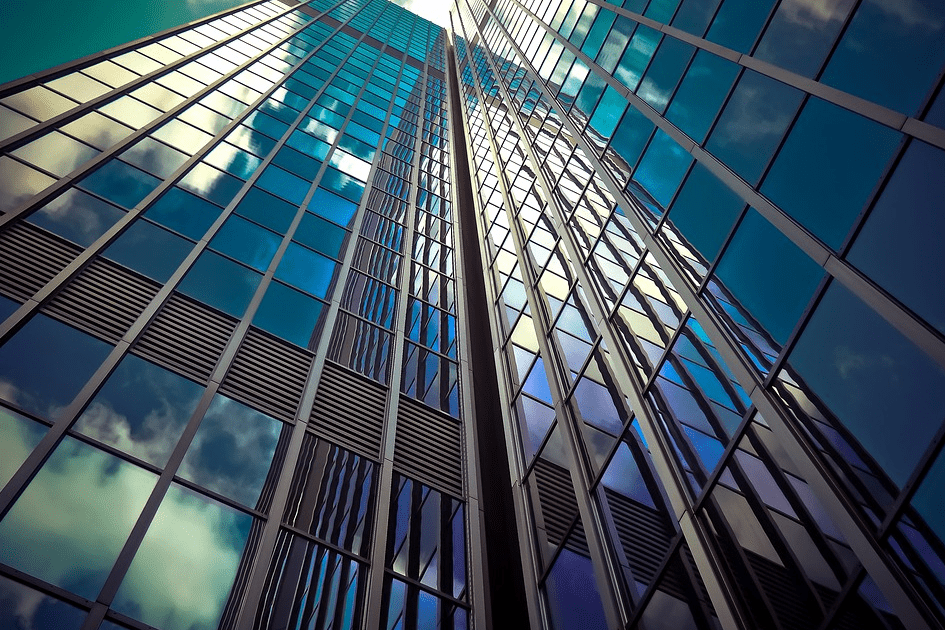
30, 258
428, 447
349, 410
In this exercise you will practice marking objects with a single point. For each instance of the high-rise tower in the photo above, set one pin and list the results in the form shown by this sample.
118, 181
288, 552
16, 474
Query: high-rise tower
569, 315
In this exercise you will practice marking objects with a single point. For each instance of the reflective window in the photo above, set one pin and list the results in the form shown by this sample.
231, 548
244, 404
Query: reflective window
289, 314
97, 130
184, 569
701, 94
263, 208
332, 207
283, 184
72, 520
142, 409
768, 275
149, 250
19, 182
212, 184
232, 160
22, 607
303, 268
154, 157
637, 56
232, 450
320, 235
664, 72
839, 156
899, 246
19, 435
738, 23
879, 385
705, 211
221, 283
246, 242
118, 182
183, 212
694, 15
928, 498
76, 216
662, 167
56, 153
573, 601
752, 124
45, 364
801, 34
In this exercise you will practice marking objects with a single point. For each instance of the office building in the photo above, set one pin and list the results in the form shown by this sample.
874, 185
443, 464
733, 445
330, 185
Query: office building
569, 315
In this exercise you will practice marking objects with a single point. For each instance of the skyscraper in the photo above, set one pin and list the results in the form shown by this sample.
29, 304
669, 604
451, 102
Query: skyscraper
570, 315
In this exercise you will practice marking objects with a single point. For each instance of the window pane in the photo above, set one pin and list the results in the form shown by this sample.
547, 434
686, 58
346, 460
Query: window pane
662, 168
263, 208
246, 242
801, 34
121, 183
664, 72
321, 235
23, 607
289, 314
705, 211
184, 212
701, 94
332, 207
149, 250
76, 216
738, 22
19, 435
303, 268
221, 283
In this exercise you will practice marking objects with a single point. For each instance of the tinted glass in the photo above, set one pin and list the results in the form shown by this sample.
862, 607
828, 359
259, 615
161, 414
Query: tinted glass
76, 216
183, 212
705, 211
664, 72
21, 607
801, 34
303, 268
263, 208
332, 207
221, 283
149, 250
701, 94
118, 182
738, 23
19, 435
246, 242
288, 313
662, 168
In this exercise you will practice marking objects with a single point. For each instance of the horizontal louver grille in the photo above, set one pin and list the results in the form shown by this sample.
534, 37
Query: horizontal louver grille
643, 535
558, 503
349, 410
269, 374
30, 258
104, 300
186, 337
428, 447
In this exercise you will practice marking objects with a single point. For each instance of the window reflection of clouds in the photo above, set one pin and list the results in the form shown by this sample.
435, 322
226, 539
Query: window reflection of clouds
76, 216
24, 608
72, 520
18, 437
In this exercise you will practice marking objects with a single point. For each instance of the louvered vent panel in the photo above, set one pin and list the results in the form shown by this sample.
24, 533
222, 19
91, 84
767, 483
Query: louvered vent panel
558, 503
349, 410
269, 374
31, 257
104, 300
186, 337
643, 534
428, 447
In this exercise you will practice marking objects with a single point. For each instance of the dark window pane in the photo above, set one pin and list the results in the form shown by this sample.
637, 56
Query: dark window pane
221, 283
267, 210
19, 435
46, 363
298, 163
801, 34
879, 385
303, 268
705, 211
900, 246
573, 601
283, 184
184, 212
21, 607
930, 496
752, 124
631, 135
701, 94
662, 168
149, 250
289, 314
246, 242
839, 156
768, 275
738, 23
321, 235
154, 157
121, 183
694, 15
664, 72
76, 216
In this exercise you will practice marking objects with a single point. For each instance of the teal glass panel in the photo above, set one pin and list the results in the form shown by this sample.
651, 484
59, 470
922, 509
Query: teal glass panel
631, 135
232, 160
283, 184
72, 520
267, 210
332, 207
662, 168
298, 163
753, 123
322, 236
801, 34
345, 185
246, 242
76, 216
738, 23
289, 314
701, 94
303, 268
211, 184
936, 112
900, 245
890, 53
590, 92
19, 435
595, 36
768, 275
266, 124
149, 250
608, 112
661, 10
839, 156
154, 157
22, 608
705, 211
664, 72
232, 450
888, 393
45, 364
930, 496
184, 213
615, 43
118, 182
221, 283
182, 574
142, 409
694, 15
637, 56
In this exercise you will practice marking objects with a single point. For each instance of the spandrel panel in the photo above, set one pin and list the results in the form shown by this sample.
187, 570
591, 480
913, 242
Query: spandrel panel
72, 520
19, 435
45, 364
184, 569
76, 216
141, 410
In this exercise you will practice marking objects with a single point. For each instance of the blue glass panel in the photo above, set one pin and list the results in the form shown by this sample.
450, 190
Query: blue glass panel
266, 124
308, 145
298, 163
890, 53
705, 211
283, 184
631, 135
801, 34
208, 182
768, 275
7, 307
289, 314
694, 15
267, 210
900, 245
76, 216
596, 405
346, 186
184, 212
121, 183
701, 94
886, 392
573, 600
22, 608
662, 168
246, 242
752, 124
661, 10
303, 268
232, 160
221, 283
637, 56
321, 235
738, 23
839, 156
664, 72
930, 496
332, 207
142, 409
149, 250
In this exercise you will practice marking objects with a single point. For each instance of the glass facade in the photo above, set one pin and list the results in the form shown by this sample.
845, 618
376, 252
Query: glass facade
241, 263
